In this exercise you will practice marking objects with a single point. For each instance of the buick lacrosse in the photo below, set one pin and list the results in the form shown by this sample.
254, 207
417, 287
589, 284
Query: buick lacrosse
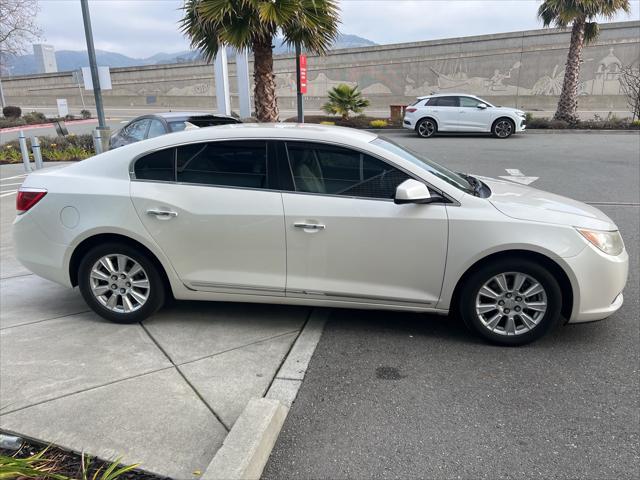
316, 215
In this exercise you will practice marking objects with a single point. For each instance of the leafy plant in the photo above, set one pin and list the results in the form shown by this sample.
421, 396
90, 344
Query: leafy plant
34, 467
253, 24
378, 123
11, 112
35, 117
344, 99
39, 467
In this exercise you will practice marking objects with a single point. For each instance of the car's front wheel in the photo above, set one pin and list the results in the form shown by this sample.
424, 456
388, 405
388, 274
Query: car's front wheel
120, 283
503, 128
426, 127
511, 301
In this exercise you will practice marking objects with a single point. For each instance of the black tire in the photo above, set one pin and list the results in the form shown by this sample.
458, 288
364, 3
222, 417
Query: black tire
155, 296
546, 321
427, 127
503, 128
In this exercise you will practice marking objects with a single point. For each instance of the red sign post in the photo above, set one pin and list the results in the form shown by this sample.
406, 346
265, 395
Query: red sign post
303, 74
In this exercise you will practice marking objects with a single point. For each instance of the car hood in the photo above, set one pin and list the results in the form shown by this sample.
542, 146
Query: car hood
526, 203
515, 111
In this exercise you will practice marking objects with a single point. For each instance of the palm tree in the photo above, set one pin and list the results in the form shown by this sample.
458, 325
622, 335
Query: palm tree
344, 99
581, 14
213, 24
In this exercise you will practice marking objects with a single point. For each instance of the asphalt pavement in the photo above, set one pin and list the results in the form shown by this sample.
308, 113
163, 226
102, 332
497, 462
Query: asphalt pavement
395, 395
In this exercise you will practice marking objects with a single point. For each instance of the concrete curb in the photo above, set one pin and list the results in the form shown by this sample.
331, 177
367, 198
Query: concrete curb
245, 451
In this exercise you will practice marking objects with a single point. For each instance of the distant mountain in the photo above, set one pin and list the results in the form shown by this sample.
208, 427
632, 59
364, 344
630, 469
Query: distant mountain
73, 60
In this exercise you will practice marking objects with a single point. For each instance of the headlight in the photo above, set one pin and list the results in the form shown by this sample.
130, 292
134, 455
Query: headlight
609, 242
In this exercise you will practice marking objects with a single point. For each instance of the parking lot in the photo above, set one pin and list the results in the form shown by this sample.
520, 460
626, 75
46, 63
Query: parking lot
391, 395
387, 394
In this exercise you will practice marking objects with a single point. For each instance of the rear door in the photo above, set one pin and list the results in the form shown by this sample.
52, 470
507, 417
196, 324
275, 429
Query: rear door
210, 208
447, 112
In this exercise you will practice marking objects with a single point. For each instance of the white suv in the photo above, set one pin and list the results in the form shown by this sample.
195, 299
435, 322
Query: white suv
462, 113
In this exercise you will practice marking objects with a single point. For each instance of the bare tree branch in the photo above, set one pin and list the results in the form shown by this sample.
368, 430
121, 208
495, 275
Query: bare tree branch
18, 28
630, 82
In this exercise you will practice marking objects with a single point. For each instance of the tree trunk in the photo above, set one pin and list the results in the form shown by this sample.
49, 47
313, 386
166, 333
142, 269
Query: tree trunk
568, 102
264, 81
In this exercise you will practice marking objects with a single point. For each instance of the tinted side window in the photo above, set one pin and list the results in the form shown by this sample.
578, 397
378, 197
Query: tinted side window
138, 129
156, 129
340, 171
233, 164
444, 102
469, 102
158, 165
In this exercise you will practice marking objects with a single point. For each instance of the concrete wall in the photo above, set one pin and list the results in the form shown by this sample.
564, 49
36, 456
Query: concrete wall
523, 69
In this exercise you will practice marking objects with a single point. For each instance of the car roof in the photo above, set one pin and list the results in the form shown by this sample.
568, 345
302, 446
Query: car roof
175, 115
452, 94
250, 131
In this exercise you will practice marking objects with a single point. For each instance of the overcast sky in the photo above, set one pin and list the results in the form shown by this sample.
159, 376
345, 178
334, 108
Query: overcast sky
141, 28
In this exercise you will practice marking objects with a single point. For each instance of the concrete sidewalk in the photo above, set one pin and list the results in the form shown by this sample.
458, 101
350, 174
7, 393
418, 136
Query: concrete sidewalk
164, 393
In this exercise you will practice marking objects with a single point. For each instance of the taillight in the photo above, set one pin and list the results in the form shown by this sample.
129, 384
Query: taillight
27, 198
410, 110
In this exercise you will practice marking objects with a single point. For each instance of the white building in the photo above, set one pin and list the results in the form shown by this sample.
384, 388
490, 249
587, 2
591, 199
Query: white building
45, 56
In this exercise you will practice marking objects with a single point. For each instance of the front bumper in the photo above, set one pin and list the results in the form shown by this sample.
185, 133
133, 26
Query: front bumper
600, 279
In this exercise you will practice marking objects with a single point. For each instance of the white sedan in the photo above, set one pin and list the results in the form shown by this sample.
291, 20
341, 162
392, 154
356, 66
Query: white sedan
459, 112
315, 215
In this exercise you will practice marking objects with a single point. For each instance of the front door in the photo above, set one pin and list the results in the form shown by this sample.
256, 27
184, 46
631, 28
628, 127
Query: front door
473, 118
346, 238
219, 224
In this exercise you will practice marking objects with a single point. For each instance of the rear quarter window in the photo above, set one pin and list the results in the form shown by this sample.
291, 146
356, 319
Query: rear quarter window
159, 166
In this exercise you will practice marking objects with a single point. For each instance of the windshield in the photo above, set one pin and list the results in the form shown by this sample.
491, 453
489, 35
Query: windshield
439, 171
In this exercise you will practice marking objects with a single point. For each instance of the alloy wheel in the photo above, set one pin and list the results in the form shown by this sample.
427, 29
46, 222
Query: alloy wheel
119, 283
426, 128
511, 303
503, 128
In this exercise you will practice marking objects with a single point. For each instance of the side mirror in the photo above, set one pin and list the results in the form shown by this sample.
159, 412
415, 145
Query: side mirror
412, 191
482, 106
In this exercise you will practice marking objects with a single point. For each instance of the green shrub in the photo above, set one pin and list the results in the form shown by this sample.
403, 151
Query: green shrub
344, 99
11, 112
378, 123
635, 124
35, 118
559, 124
85, 114
12, 122
325, 122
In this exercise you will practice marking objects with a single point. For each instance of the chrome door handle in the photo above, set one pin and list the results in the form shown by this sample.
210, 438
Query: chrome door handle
310, 226
162, 213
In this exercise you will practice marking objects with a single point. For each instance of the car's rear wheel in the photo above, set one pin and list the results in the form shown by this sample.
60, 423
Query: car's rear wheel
120, 283
426, 127
503, 128
511, 301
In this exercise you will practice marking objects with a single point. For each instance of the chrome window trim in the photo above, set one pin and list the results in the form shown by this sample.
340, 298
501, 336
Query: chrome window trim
449, 200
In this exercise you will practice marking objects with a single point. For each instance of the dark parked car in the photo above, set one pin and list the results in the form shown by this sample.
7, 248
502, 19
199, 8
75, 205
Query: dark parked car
149, 126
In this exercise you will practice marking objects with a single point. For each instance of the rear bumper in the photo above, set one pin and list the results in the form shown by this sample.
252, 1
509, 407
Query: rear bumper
600, 280
38, 253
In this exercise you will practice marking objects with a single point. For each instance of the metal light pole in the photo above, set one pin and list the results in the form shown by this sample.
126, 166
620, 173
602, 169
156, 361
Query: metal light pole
97, 93
299, 85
